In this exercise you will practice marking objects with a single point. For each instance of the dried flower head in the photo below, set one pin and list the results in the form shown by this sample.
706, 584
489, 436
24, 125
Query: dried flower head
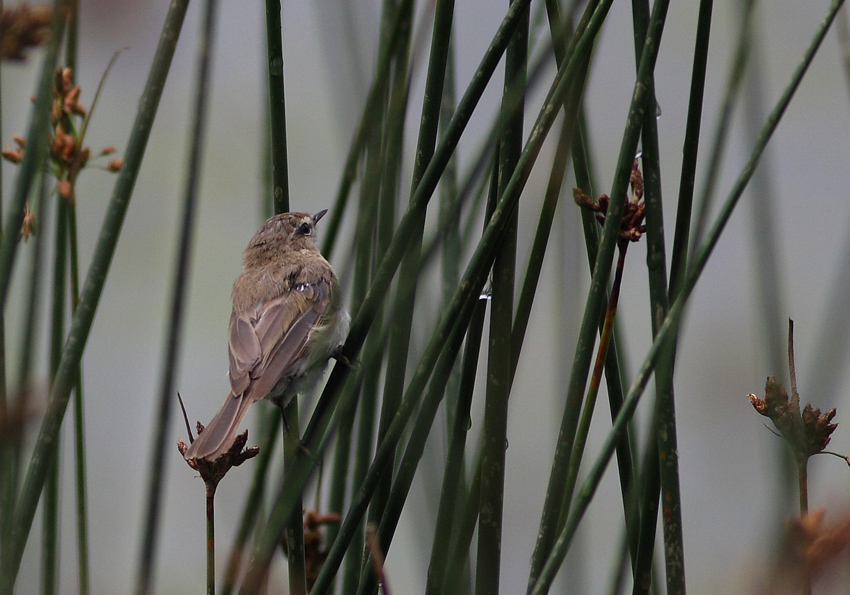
315, 549
814, 544
13, 155
632, 226
213, 472
23, 27
808, 432
67, 154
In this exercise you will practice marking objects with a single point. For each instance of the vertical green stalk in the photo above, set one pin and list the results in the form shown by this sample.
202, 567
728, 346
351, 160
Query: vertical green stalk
446, 527
92, 290
277, 103
253, 500
583, 176
317, 428
722, 128
34, 155
11, 442
383, 162
583, 428
613, 375
593, 309
295, 526
280, 192
499, 359
690, 146
765, 235
409, 271
668, 327
449, 217
366, 226
171, 356
371, 110
7, 460
462, 536
50, 511
418, 437
210, 541
667, 480
79, 419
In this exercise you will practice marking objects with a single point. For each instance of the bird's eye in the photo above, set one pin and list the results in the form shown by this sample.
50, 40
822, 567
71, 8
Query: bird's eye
305, 229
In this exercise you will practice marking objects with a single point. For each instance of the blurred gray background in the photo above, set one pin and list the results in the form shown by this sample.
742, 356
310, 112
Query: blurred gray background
728, 459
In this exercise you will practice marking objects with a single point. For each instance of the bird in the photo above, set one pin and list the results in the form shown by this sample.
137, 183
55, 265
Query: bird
287, 322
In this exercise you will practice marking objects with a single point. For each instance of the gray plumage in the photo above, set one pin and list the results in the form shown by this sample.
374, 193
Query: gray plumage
287, 321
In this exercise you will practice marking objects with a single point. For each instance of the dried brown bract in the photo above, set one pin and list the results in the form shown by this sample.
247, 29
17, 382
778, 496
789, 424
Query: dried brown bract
808, 432
632, 226
315, 549
23, 27
814, 544
213, 472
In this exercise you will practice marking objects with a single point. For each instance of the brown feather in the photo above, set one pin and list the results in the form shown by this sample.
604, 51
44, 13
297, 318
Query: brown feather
284, 297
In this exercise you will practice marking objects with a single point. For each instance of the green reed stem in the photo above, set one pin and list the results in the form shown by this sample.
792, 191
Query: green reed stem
180, 283
90, 296
277, 111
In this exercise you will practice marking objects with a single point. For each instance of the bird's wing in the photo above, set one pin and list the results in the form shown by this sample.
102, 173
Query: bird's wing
264, 346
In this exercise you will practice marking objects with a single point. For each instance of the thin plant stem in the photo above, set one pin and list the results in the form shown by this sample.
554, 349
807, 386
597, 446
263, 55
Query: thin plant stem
802, 458
210, 508
445, 527
251, 510
668, 327
317, 428
11, 442
171, 357
666, 481
50, 511
462, 536
8, 474
277, 111
679, 255
722, 128
370, 115
843, 32
548, 530
34, 155
295, 527
583, 180
90, 296
79, 420
79, 409
367, 218
583, 428
499, 357
409, 272
448, 351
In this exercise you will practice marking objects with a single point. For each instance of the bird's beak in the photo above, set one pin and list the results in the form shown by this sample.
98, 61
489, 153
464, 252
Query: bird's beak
319, 215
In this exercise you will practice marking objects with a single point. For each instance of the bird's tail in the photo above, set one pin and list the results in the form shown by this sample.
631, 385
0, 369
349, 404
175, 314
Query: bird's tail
218, 436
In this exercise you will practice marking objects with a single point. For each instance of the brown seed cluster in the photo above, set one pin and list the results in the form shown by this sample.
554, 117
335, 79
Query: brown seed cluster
23, 27
67, 154
632, 226
213, 472
808, 432
315, 549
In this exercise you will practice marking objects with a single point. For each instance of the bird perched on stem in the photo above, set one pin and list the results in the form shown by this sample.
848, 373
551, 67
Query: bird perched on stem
287, 321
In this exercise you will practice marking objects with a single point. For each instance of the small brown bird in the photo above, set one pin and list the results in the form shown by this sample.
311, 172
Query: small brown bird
287, 321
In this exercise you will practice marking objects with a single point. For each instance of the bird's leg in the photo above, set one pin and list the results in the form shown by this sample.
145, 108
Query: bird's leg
296, 438
338, 356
